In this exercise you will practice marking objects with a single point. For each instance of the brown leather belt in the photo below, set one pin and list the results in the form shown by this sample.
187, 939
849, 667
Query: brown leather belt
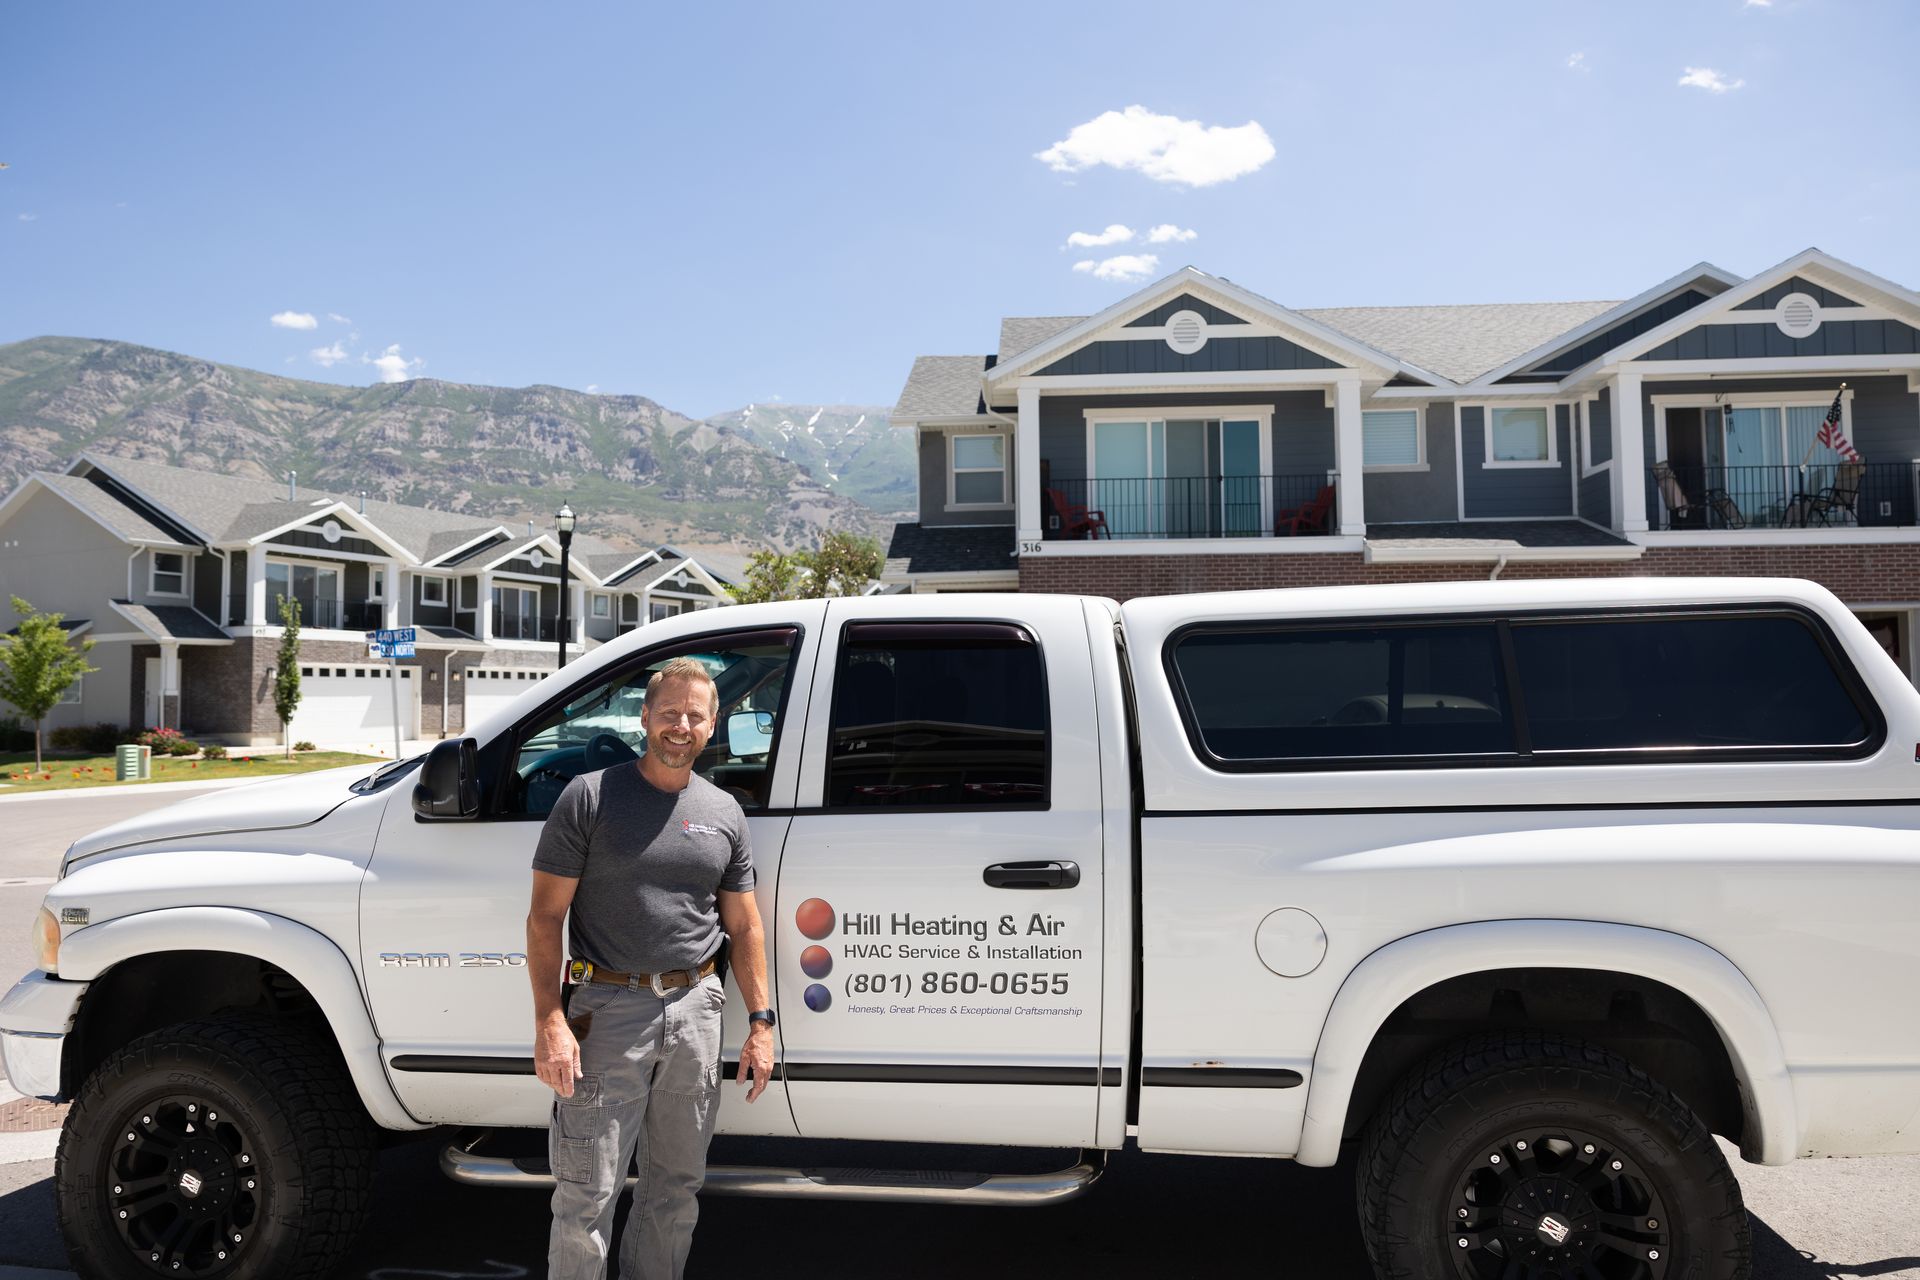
583, 971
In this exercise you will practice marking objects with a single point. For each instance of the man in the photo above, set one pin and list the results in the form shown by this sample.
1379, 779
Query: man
653, 863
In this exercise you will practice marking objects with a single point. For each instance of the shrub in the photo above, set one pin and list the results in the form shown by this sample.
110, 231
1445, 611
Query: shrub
161, 740
178, 746
97, 739
304, 746
15, 736
214, 751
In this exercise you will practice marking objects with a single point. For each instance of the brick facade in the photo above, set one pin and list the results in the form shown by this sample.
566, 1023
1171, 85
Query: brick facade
1857, 574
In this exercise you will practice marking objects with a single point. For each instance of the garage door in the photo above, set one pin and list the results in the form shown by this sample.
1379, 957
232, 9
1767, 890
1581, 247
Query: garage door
491, 688
351, 705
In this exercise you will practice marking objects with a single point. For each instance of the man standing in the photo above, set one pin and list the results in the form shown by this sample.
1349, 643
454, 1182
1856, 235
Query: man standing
654, 863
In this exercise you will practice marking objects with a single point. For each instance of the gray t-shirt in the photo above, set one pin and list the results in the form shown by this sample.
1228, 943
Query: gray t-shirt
650, 863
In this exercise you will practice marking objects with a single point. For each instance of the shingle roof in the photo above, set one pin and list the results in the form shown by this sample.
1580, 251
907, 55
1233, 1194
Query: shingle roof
1459, 342
941, 387
172, 622
1023, 333
969, 549
105, 508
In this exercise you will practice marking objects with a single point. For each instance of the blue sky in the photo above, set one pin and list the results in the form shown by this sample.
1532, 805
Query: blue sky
715, 205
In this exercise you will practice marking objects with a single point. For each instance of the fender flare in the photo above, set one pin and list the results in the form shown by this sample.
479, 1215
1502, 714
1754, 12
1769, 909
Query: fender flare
1400, 970
308, 956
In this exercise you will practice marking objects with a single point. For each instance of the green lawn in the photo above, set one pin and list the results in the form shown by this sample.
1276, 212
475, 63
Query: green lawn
67, 772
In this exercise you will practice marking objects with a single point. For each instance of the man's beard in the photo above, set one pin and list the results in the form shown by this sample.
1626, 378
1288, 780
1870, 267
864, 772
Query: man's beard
675, 756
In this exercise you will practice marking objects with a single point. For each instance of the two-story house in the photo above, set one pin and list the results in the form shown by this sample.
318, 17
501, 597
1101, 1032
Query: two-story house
1197, 436
178, 577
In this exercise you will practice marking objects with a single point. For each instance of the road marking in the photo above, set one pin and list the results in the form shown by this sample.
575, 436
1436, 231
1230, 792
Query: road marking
16, 882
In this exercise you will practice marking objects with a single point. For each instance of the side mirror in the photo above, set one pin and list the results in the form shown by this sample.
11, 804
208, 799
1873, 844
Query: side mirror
449, 785
750, 733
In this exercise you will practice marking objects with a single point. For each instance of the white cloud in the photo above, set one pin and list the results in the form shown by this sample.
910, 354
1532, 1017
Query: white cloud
29, 217
393, 366
327, 357
1710, 80
593, 388
337, 318
1116, 233
1577, 62
1167, 233
1164, 148
295, 320
1759, 4
1123, 267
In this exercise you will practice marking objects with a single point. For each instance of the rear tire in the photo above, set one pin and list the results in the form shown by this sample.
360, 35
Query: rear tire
1551, 1156
233, 1147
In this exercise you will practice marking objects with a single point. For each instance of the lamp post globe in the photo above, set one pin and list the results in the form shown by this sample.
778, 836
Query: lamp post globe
563, 521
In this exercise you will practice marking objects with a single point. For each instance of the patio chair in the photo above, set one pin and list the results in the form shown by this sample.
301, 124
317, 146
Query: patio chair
1308, 517
1077, 521
1678, 508
1838, 502
1720, 503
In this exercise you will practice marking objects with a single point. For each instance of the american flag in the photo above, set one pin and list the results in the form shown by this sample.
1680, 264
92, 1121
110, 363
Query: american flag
1833, 435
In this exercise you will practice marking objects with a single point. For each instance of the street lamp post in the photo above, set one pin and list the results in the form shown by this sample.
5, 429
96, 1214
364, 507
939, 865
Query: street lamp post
564, 523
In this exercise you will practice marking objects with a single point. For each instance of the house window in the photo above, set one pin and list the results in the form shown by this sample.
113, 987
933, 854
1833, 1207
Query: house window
71, 696
1391, 438
516, 613
1521, 435
433, 591
663, 609
168, 576
376, 583
978, 470
602, 607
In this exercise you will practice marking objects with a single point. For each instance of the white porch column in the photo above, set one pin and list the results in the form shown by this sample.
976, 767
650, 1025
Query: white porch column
1026, 467
485, 603
390, 594
170, 685
577, 615
1349, 496
257, 587
1629, 451
226, 588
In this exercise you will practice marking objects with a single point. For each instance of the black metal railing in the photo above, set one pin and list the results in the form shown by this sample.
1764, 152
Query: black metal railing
513, 627
1825, 495
335, 615
1190, 506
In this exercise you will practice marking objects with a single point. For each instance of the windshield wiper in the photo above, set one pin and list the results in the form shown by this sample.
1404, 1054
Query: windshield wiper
384, 774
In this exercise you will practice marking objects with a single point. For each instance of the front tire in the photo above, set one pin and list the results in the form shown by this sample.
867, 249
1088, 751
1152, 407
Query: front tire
1536, 1155
233, 1147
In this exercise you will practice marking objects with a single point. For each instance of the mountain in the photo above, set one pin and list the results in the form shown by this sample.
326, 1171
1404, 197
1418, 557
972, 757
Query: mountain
637, 472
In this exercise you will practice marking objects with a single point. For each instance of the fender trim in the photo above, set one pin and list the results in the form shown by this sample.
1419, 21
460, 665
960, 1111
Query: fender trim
1400, 970
304, 953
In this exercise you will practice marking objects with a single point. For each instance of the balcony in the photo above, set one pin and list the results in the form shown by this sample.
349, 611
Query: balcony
1825, 495
527, 627
322, 614
1212, 506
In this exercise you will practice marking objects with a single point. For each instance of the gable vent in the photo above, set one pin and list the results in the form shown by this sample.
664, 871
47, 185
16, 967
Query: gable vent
1186, 332
1798, 315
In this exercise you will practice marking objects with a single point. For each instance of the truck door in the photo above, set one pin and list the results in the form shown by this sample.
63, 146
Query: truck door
939, 916
444, 905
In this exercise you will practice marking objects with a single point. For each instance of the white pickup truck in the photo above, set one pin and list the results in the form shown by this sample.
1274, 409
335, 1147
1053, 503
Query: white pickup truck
1524, 888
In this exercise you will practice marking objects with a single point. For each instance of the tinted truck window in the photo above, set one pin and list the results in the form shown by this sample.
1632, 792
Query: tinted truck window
1735, 681
1345, 694
938, 714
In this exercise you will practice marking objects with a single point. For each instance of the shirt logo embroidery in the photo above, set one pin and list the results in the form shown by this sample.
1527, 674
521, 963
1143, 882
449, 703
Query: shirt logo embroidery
699, 828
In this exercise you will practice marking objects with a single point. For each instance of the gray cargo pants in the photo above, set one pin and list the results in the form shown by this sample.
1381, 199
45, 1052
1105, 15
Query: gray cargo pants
649, 1087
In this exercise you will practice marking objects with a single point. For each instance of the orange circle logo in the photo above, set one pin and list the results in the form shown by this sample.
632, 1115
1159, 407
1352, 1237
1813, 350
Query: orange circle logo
815, 918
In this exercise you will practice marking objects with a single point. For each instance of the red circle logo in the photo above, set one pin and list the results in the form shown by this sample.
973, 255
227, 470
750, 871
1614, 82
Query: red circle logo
815, 918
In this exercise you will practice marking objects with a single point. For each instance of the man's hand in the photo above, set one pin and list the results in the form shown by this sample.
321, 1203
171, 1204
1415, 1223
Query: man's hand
756, 1058
556, 1055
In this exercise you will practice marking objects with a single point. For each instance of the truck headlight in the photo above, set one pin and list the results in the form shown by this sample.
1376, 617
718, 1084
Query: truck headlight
46, 941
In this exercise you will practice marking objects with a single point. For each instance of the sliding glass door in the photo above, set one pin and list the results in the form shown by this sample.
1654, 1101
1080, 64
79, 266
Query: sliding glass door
1179, 477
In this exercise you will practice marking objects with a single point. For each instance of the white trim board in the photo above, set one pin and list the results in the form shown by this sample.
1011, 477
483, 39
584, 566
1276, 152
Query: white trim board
1094, 548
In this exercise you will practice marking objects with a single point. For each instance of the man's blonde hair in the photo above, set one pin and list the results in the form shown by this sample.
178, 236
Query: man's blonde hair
687, 669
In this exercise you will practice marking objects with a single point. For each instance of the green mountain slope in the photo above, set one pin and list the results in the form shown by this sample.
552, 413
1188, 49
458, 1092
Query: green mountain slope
636, 470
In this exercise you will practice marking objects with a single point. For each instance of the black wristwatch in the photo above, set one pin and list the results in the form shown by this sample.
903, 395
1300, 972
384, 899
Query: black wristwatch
761, 1015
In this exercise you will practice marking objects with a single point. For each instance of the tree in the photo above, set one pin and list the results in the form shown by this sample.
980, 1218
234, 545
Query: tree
286, 670
842, 565
37, 666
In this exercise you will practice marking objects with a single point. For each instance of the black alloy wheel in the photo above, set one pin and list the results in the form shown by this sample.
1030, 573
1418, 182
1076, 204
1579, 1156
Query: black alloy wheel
1529, 1155
234, 1147
182, 1186
1556, 1202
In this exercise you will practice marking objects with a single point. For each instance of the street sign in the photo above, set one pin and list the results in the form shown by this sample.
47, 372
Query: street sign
390, 642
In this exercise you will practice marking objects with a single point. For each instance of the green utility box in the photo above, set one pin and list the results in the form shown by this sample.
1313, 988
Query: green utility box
132, 762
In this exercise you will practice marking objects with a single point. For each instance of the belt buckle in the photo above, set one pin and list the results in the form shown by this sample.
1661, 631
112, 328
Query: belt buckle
655, 980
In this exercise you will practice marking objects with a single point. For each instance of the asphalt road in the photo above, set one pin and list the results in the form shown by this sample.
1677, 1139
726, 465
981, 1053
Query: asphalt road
1152, 1215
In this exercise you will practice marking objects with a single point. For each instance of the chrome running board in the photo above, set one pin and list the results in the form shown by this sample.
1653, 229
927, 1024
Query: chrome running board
463, 1162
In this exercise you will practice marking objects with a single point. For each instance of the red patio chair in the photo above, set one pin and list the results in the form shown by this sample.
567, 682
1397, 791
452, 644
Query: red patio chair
1076, 520
1309, 517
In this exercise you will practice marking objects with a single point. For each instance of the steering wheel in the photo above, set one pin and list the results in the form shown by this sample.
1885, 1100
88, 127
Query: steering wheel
605, 750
